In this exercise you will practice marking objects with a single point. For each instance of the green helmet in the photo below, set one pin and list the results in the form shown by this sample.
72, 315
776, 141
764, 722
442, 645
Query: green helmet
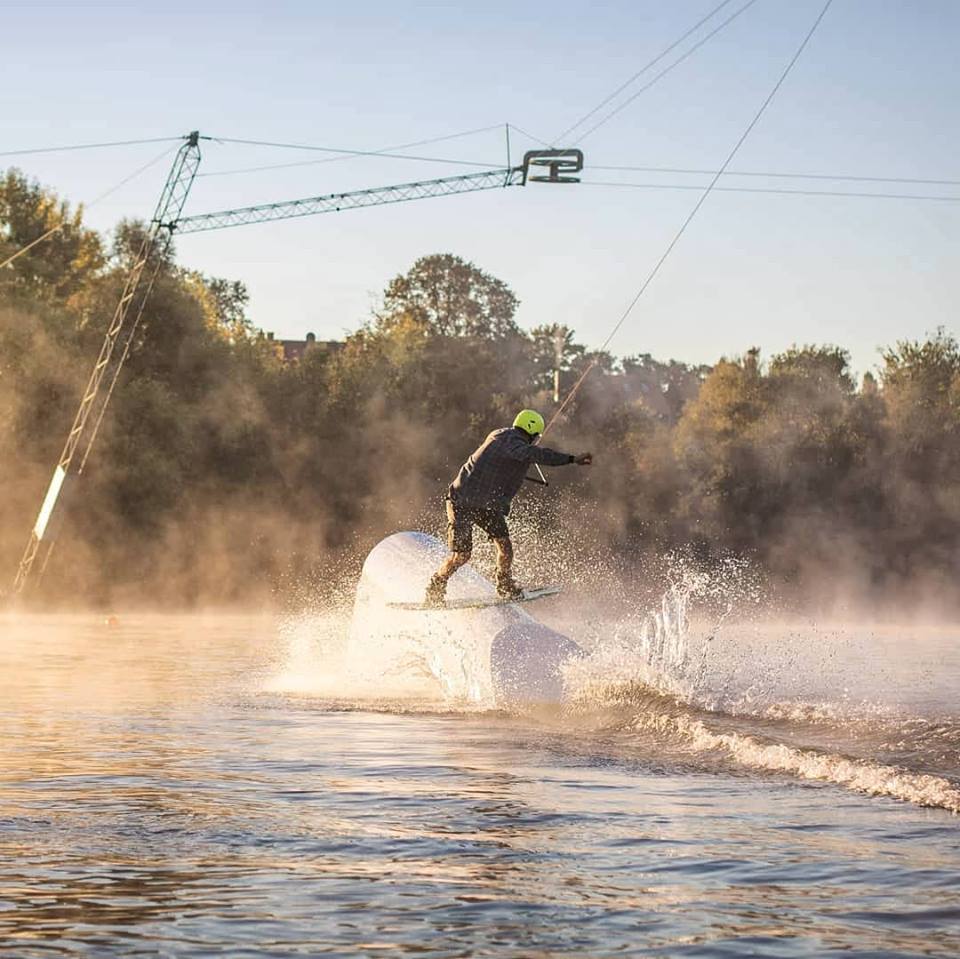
529, 421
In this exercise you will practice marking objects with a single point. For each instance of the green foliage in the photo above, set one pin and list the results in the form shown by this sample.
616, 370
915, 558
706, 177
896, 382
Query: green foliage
56, 268
553, 348
921, 388
449, 297
221, 471
665, 388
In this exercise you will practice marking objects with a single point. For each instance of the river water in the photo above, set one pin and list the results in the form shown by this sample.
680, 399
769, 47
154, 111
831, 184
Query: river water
224, 786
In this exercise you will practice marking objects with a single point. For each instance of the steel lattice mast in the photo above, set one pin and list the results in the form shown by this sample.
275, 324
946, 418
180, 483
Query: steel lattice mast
126, 318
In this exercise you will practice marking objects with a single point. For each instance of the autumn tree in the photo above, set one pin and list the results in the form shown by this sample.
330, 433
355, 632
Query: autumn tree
921, 395
553, 349
450, 297
55, 268
219, 469
921, 389
664, 388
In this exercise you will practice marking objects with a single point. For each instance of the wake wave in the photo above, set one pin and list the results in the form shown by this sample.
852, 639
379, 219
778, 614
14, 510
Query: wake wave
861, 776
805, 702
821, 704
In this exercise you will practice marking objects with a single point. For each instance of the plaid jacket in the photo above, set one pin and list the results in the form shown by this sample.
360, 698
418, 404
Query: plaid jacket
494, 473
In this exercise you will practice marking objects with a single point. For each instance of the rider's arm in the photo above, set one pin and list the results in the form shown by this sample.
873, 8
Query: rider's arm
518, 448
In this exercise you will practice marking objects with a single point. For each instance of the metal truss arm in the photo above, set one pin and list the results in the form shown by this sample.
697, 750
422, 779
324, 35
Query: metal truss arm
558, 164
335, 202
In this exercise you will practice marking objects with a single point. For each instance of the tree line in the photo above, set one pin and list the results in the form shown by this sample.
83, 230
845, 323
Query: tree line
224, 475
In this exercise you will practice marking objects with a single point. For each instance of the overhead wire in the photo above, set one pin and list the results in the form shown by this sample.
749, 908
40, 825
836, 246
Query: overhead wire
56, 229
344, 154
696, 209
88, 146
652, 63
785, 176
667, 69
349, 154
530, 136
356, 153
773, 190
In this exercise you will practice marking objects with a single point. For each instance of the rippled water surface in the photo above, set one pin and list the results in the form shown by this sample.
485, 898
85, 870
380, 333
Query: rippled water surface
211, 786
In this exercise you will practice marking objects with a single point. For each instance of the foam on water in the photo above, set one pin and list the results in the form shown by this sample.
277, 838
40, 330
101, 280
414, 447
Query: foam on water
861, 776
690, 680
812, 702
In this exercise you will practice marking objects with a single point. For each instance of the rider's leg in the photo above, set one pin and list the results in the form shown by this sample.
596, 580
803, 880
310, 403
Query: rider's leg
460, 542
506, 585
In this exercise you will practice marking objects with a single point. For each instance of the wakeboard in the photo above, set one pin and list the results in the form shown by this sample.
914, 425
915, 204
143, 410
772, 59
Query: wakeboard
481, 602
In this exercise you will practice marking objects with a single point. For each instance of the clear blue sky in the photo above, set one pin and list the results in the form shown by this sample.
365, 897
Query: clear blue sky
875, 94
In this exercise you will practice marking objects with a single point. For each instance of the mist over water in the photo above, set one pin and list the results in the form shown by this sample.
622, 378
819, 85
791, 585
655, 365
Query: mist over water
721, 783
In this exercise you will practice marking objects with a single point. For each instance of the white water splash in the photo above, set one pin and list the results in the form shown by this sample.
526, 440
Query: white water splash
662, 648
688, 679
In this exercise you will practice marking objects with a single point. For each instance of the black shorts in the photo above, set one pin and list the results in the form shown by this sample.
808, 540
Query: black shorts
461, 520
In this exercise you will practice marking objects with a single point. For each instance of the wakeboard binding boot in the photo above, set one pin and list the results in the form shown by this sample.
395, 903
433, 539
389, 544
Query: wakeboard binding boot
436, 595
508, 588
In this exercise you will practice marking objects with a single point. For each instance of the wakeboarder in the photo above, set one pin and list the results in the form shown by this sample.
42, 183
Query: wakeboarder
481, 494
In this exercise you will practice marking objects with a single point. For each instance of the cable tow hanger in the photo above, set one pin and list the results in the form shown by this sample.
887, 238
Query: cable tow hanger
560, 163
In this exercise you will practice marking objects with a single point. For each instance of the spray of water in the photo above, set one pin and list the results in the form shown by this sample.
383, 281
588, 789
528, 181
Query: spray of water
703, 672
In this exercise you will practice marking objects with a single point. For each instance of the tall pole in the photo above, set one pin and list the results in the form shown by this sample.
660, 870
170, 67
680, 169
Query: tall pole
559, 342
86, 423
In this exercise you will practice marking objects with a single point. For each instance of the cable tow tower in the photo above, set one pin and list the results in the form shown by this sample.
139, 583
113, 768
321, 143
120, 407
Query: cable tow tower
538, 166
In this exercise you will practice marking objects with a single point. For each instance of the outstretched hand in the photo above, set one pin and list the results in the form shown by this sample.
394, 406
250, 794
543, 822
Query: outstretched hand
584, 459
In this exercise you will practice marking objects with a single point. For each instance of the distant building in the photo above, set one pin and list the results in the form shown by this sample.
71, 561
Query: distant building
292, 351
